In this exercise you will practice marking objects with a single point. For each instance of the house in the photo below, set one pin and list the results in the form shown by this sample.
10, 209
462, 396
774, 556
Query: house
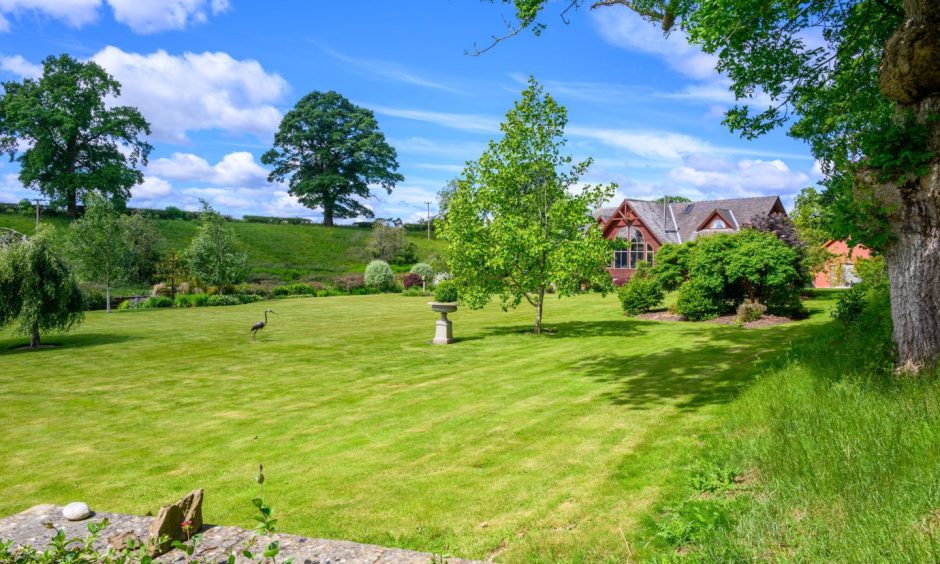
840, 270
645, 226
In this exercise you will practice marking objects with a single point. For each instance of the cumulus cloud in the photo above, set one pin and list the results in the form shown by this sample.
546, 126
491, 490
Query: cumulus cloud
197, 91
151, 17
74, 13
747, 177
19, 66
151, 188
235, 169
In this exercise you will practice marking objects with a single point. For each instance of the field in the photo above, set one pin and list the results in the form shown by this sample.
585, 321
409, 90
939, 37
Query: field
503, 445
275, 251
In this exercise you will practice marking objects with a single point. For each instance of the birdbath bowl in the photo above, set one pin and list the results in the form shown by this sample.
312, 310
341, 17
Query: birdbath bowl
443, 334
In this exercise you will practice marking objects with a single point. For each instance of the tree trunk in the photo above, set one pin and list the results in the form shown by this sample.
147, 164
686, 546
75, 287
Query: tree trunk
34, 337
538, 311
107, 299
72, 203
328, 216
910, 76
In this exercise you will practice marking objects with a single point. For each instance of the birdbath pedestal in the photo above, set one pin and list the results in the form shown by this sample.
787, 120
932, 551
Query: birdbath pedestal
443, 334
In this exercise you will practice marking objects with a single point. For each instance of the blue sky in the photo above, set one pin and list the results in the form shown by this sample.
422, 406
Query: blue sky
214, 77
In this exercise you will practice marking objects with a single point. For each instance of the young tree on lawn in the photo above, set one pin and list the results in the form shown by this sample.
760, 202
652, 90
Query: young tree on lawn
516, 222
98, 244
214, 255
74, 142
865, 95
171, 270
37, 291
329, 151
142, 238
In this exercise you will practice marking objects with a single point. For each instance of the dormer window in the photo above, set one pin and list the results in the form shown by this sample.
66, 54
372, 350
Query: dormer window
719, 224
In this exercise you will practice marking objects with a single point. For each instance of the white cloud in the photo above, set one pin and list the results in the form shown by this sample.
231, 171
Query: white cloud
625, 28
19, 66
649, 144
465, 122
144, 16
748, 177
152, 188
197, 91
74, 13
11, 190
235, 169
391, 71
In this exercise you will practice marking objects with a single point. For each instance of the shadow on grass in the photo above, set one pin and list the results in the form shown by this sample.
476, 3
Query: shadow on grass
571, 329
710, 371
62, 342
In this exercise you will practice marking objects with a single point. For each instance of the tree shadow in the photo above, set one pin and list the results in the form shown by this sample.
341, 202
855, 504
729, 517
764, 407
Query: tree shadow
572, 329
713, 371
62, 342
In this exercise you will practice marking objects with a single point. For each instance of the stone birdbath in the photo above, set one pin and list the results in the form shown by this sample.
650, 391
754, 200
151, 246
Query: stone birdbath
443, 335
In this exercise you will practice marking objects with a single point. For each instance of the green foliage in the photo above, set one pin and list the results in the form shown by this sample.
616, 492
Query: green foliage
98, 245
93, 299
872, 271
77, 140
172, 270
223, 300
379, 275
38, 293
143, 240
154, 302
513, 228
388, 243
294, 290
215, 255
697, 301
424, 270
672, 265
692, 521
672, 200
642, 292
446, 292
330, 151
191, 300
851, 304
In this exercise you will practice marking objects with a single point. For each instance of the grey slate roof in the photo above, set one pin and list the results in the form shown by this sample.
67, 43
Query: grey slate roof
679, 227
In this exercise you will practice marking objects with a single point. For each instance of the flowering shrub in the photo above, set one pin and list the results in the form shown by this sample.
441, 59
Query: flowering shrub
349, 282
411, 279
440, 277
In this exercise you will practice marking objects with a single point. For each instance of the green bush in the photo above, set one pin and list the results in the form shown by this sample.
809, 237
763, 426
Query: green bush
94, 299
696, 301
641, 293
672, 265
192, 300
424, 270
379, 275
445, 292
157, 302
222, 300
850, 304
298, 289
750, 311
872, 271
248, 298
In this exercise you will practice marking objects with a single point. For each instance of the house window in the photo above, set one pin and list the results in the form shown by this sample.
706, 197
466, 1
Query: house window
621, 258
719, 224
649, 254
637, 249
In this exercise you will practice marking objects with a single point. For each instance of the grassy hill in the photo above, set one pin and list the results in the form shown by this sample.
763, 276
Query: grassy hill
275, 251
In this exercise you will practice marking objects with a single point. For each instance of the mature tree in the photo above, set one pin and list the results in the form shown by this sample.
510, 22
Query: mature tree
73, 142
514, 225
143, 240
37, 291
98, 245
858, 80
214, 255
391, 244
330, 151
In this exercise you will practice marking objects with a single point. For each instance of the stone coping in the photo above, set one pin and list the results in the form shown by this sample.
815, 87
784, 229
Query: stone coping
29, 528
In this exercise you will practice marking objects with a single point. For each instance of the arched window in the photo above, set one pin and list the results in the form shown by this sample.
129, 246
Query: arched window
637, 249
719, 224
649, 253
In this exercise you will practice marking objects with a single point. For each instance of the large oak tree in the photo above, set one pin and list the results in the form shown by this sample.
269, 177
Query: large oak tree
65, 137
864, 93
330, 151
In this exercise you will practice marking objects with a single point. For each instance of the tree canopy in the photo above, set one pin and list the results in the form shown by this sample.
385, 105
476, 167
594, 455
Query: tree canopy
214, 255
517, 222
74, 143
99, 246
329, 151
38, 293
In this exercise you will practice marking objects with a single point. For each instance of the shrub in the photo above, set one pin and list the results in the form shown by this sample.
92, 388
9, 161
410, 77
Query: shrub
390, 244
696, 301
872, 271
379, 275
160, 290
440, 277
672, 265
411, 279
349, 282
93, 299
850, 304
750, 311
157, 302
248, 298
445, 292
192, 300
298, 289
641, 293
222, 300
424, 270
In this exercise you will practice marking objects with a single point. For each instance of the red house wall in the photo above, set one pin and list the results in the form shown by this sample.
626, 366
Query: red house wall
843, 255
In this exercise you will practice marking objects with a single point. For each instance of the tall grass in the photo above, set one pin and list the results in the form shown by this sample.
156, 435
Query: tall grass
837, 459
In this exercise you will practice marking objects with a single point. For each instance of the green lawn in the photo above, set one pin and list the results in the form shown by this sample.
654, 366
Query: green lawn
502, 445
275, 251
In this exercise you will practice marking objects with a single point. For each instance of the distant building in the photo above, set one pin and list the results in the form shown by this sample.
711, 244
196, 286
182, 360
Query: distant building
646, 226
840, 271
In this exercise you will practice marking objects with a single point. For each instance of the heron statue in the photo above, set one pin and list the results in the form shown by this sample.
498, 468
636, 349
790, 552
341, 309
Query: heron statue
260, 325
